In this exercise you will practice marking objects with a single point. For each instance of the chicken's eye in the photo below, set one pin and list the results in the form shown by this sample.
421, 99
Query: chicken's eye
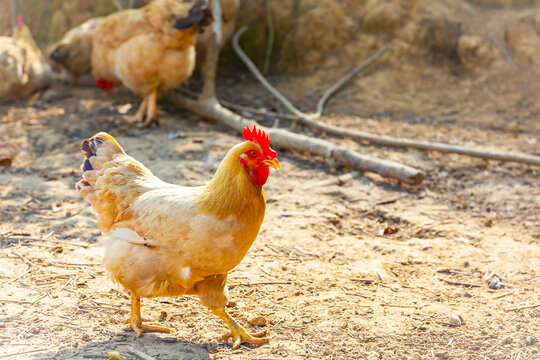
253, 153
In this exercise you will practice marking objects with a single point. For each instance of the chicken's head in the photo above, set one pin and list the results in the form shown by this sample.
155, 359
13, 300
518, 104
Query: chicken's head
259, 156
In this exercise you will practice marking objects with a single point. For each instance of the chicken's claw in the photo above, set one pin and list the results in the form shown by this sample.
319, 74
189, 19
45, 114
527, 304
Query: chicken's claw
238, 333
135, 321
241, 336
140, 328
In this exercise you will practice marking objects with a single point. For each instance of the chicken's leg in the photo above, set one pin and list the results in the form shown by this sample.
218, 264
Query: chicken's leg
151, 110
238, 333
139, 115
135, 322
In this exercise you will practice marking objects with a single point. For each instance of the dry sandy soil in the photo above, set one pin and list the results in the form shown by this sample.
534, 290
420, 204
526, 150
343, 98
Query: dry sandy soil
320, 274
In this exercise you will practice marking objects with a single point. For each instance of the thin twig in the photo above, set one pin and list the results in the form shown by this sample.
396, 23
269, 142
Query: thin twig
271, 35
347, 292
503, 295
20, 276
15, 301
21, 353
460, 283
346, 78
140, 354
374, 282
251, 66
389, 201
452, 272
102, 307
23, 258
523, 307
501, 49
39, 298
365, 281
258, 112
402, 306
260, 283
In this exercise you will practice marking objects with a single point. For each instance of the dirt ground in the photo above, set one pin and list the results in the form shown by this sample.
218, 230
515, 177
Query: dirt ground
322, 275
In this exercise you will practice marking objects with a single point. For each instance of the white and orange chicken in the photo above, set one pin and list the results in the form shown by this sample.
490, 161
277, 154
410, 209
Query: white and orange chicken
149, 50
170, 240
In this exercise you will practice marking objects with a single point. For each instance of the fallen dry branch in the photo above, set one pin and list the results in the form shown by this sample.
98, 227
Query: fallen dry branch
312, 121
284, 139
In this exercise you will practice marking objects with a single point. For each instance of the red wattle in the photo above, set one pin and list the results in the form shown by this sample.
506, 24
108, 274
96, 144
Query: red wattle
259, 175
104, 85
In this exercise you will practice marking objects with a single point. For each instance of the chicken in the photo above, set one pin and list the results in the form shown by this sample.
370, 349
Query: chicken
170, 240
23, 70
149, 50
73, 51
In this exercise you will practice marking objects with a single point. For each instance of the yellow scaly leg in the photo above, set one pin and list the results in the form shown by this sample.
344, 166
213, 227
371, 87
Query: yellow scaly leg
238, 333
135, 322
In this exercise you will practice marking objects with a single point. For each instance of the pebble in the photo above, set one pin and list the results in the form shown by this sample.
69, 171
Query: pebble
455, 320
496, 284
529, 340
258, 321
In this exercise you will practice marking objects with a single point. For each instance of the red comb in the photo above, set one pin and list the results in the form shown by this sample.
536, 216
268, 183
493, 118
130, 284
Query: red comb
19, 21
104, 84
258, 136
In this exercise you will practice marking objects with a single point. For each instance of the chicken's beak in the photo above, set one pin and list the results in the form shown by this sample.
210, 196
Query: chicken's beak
274, 163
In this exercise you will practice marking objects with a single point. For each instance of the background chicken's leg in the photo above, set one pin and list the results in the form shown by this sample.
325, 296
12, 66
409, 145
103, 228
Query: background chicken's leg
151, 109
135, 322
238, 333
139, 115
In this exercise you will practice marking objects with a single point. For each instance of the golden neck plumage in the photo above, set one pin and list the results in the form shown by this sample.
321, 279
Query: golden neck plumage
231, 192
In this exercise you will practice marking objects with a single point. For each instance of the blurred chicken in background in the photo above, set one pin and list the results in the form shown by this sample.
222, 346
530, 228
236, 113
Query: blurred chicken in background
72, 53
149, 50
23, 69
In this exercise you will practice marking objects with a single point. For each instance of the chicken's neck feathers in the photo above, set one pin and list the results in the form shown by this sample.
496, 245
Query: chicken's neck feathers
231, 192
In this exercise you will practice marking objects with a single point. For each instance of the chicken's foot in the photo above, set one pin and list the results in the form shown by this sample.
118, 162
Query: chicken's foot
135, 322
151, 110
238, 333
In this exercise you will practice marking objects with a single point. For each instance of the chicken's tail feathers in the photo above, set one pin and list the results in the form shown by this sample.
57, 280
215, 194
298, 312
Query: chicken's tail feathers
100, 145
97, 150
59, 54
200, 14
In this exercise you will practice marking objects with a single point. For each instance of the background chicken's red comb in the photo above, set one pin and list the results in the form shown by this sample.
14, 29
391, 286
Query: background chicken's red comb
260, 137
19, 21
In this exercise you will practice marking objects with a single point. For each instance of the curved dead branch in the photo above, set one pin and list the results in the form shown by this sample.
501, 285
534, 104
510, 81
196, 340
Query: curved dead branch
312, 121
281, 138
343, 81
